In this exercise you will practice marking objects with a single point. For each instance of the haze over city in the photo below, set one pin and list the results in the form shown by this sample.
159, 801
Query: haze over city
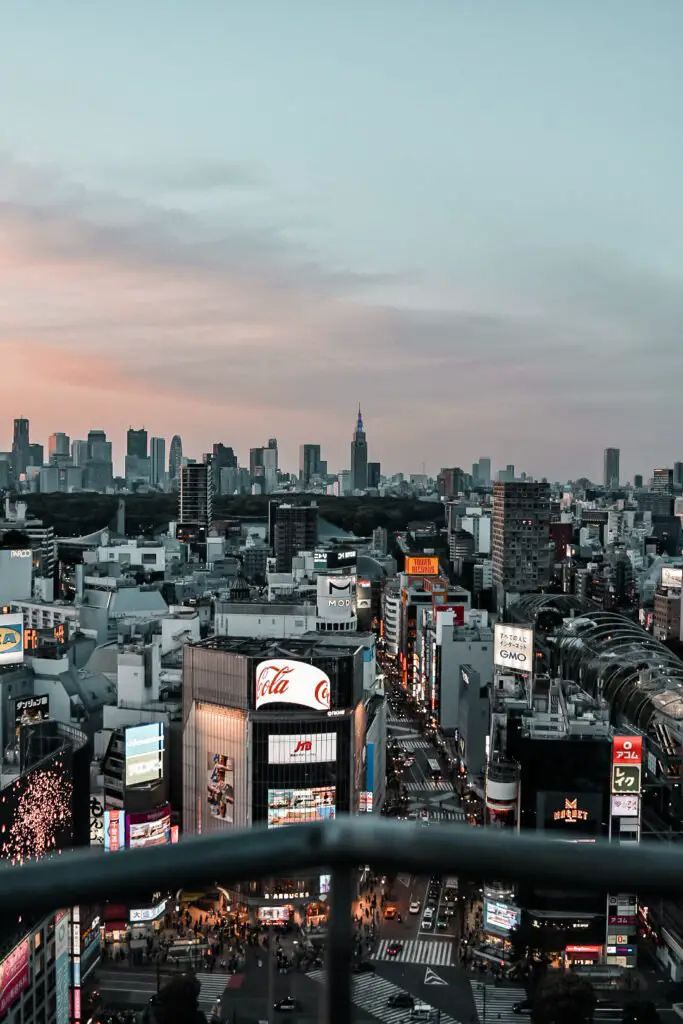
242, 224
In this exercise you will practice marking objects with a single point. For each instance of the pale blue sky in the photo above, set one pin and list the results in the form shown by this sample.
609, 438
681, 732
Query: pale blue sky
510, 171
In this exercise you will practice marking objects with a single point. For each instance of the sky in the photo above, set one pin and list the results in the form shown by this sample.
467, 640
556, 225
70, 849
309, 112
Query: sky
236, 221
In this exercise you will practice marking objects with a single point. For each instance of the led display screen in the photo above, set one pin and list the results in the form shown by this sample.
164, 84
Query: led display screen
36, 811
144, 754
152, 829
220, 787
292, 806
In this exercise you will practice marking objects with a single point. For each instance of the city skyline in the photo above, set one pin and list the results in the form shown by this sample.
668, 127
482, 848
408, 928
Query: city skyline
493, 239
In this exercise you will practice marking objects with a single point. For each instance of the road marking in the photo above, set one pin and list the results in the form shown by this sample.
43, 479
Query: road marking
432, 978
405, 880
434, 950
372, 993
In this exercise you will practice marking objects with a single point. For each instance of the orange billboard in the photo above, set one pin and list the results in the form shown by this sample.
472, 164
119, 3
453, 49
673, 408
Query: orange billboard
422, 565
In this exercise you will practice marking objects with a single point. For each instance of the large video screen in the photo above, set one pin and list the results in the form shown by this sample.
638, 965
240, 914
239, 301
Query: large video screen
36, 812
292, 806
500, 917
153, 829
220, 787
144, 754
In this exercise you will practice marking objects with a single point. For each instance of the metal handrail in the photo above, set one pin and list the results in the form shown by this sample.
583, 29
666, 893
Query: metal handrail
88, 877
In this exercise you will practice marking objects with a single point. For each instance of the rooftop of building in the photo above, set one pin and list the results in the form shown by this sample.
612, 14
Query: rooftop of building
310, 646
280, 605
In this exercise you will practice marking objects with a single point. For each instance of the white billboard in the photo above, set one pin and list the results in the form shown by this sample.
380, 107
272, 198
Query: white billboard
336, 597
144, 753
513, 647
286, 681
302, 749
672, 579
12, 638
625, 805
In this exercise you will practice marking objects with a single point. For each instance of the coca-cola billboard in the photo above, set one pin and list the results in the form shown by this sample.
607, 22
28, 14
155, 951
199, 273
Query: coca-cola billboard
287, 681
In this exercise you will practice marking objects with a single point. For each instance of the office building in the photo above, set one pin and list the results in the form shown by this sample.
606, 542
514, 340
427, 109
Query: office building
256, 463
611, 467
638, 481
175, 457
359, 456
195, 498
136, 443
20, 446
484, 471
99, 470
291, 529
678, 474
59, 447
79, 453
520, 538
374, 471
157, 451
663, 481
36, 455
309, 462
272, 447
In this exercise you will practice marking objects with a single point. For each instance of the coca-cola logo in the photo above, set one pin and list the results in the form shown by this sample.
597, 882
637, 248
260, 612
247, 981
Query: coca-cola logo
281, 681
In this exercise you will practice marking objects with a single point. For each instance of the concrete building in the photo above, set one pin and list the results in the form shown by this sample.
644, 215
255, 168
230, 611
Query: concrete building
195, 500
309, 463
157, 451
521, 539
611, 468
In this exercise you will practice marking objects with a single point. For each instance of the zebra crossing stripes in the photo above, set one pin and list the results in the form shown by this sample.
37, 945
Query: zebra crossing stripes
438, 952
411, 744
372, 993
214, 985
429, 786
447, 815
493, 1003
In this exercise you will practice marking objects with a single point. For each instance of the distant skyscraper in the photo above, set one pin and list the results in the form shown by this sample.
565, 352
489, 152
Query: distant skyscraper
638, 481
272, 446
136, 443
36, 455
611, 467
484, 474
309, 462
374, 473
678, 474
663, 481
175, 457
521, 538
59, 448
359, 456
79, 453
291, 528
20, 445
99, 472
157, 451
195, 500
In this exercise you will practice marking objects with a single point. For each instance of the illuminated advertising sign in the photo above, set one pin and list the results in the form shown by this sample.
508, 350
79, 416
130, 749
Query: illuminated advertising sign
36, 812
144, 754
147, 913
336, 597
152, 829
114, 830
292, 806
285, 681
363, 594
30, 711
334, 559
273, 915
513, 647
421, 565
625, 806
500, 917
96, 821
175, 833
62, 972
671, 579
325, 884
365, 802
11, 639
571, 811
302, 749
14, 976
220, 787
626, 778
21, 553
627, 750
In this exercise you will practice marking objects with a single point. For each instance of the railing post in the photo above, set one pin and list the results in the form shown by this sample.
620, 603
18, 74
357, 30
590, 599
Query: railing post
340, 949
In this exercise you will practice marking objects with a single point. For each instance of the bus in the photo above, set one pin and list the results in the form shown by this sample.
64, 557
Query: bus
434, 768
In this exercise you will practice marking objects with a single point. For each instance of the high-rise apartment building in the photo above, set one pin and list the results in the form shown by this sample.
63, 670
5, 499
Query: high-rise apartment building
20, 445
136, 443
99, 471
611, 467
521, 538
269, 481
157, 452
291, 528
374, 472
309, 462
195, 499
359, 456
484, 473
175, 457
663, 481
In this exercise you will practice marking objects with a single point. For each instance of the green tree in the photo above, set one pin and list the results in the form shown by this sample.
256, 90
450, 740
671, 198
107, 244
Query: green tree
563, 999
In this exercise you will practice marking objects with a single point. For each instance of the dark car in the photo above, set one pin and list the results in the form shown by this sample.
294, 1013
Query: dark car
523, 1008
402, 1000
364, 967
287, 1005
394, 948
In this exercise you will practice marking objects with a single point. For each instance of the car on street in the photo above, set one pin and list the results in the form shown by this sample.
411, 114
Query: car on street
389, 913
287, 1005
409, 762
401, 1000
523, 1008
442, 922
414, 907
424, 814
394, 948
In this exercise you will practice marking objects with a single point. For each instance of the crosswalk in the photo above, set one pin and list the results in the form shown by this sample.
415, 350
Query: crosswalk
429, 786
372, 993
417, 744
493, 1003
438, 952
213, 986
445, 815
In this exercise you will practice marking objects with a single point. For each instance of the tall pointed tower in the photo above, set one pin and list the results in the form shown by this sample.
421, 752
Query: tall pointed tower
359, 456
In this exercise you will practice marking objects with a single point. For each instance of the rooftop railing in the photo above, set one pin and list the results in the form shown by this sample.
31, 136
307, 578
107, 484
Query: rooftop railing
340, 848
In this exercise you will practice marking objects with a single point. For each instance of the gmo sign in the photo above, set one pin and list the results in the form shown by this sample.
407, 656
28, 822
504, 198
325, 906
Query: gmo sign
513, 647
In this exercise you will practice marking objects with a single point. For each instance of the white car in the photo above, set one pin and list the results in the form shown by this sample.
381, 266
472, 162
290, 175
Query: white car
414, 907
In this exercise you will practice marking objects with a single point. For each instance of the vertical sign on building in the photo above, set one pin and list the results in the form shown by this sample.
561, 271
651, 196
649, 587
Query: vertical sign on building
75, 947
62, 922
622, 908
